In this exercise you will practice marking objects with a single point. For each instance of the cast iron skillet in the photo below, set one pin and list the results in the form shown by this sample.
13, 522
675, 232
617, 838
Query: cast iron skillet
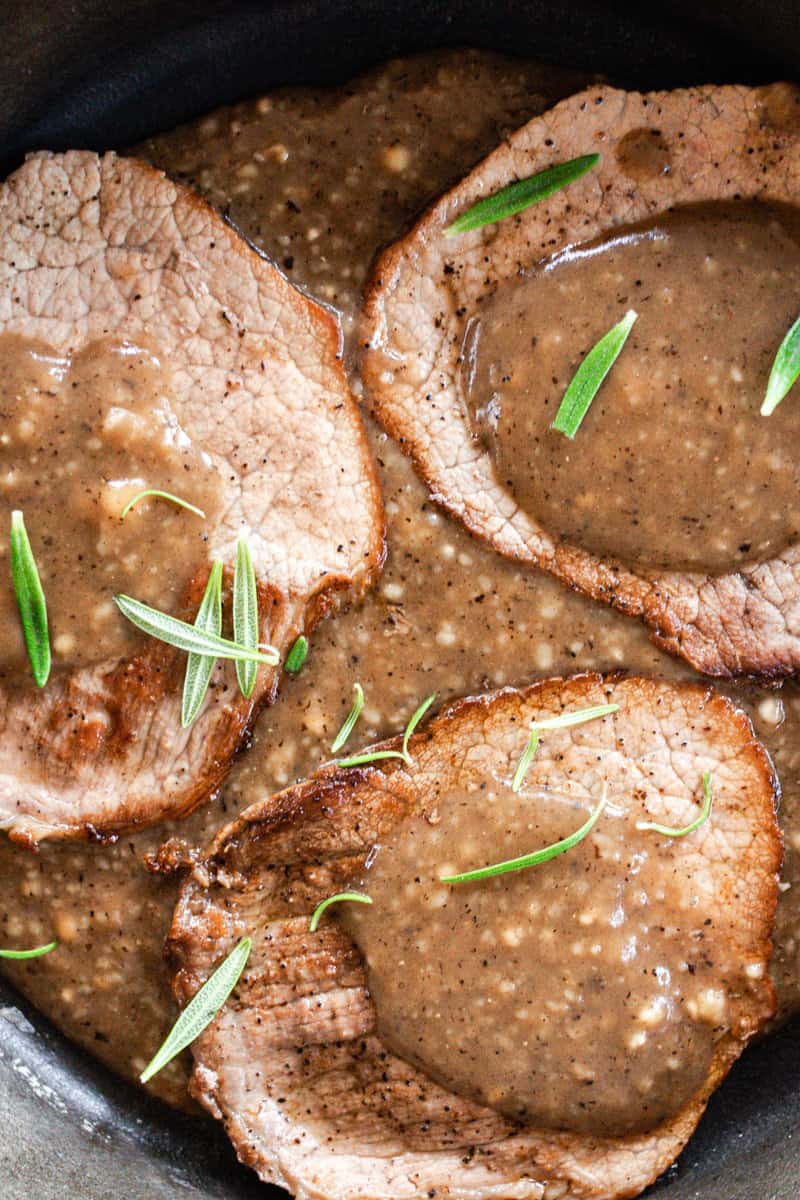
104, 73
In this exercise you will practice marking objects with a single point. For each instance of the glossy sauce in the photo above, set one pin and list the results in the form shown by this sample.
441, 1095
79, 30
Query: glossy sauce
81, 437
673, 465
319, 179
569, 995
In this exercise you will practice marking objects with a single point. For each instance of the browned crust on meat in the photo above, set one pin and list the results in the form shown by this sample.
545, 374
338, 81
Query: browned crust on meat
725, 143
265, 872
93, 724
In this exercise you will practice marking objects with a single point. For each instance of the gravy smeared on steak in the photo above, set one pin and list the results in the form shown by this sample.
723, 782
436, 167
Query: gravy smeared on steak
448, 614
108, 248
426, 291
82, 437
673, 466
318, 1100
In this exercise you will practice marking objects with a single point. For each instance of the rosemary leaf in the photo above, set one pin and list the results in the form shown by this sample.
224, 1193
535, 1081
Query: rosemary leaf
588, 378
186, 637
577, 716
522, 194
200, 666
350, 720
785, 370
201, 1009
360, 760
538, 856
30, 600
245, 615
670, 831
316, 916
416, 717
297, 655
25, 954
525, 760
161, 496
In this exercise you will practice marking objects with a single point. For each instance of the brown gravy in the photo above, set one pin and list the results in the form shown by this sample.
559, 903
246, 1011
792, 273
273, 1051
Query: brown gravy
569, 995
673, 465
447, 615
81, 438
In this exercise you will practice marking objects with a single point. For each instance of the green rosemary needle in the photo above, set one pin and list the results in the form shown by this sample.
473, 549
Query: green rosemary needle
785, 370
359, 760
578, 716
316, 916
538, 856
37, 952
201, 1009
199, 667
588, 378
183, 636
245, 615
161, 496
30, 600
297, 655
349, 722
521, 194
671, 831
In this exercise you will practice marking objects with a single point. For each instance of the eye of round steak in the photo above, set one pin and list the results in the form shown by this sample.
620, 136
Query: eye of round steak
147, 346
552, 1030
676, 500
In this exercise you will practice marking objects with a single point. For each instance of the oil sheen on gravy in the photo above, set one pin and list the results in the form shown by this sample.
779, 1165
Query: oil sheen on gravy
81, 437
673, 465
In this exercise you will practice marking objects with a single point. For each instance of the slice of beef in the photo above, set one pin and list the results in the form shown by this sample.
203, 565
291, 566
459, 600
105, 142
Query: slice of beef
93, 247
294, 1065
723, 143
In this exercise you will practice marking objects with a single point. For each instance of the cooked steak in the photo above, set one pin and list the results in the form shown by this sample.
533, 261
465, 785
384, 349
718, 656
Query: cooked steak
429, 292
93, 249
301, 1064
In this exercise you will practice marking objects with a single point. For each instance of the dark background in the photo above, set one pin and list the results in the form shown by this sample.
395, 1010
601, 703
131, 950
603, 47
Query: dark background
103, 73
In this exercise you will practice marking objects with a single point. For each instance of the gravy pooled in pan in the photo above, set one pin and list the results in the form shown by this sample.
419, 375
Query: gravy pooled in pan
448, 613
673, 466
81, 438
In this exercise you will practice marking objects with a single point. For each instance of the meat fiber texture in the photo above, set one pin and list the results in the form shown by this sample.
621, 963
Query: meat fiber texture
293, 1065
95, 247
723, 143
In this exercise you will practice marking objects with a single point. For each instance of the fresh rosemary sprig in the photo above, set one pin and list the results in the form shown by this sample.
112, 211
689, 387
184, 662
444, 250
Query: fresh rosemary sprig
588, 378
201, 1009
316, 916
30, 600
522, 194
